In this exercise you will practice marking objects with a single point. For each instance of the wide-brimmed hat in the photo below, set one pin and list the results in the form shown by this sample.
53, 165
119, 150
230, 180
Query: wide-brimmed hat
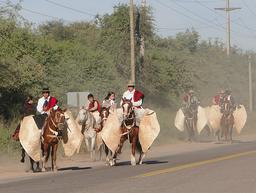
222, 91
191, 91
131, 83
45, 89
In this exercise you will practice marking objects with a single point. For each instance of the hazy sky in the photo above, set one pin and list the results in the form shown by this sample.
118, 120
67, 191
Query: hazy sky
171, 16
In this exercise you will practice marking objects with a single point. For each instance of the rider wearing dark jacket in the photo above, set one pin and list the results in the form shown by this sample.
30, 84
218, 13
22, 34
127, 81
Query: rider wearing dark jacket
27, 109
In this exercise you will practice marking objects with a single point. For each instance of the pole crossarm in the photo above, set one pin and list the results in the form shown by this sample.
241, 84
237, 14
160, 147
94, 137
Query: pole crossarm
228, 9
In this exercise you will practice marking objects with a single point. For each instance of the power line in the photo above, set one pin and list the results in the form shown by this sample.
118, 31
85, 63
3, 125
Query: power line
245, 26
197, 15
70, 8
39, 13
181, 13
248, 7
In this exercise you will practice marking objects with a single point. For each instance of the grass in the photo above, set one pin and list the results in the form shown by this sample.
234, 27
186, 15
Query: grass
7, 144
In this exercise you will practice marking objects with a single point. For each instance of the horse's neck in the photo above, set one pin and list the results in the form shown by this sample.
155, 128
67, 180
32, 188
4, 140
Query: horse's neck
131, 118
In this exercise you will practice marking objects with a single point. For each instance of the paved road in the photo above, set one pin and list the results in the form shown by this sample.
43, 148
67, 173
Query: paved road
224, 169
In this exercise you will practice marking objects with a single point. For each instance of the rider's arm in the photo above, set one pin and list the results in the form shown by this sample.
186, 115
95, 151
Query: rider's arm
138, 103
40, 105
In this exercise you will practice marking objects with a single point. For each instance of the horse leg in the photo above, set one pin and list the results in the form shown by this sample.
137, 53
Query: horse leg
54, 157
87, 144
217, 135
134, 138
31, 164
22, 155
142, 156
37, 167
226, 133
107, 152
93, 147
231, 123
45, 156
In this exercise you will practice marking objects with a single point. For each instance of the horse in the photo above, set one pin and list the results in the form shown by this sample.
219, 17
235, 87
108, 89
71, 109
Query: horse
104, 116
227, 121
15, 137
190, 123
87, 124
52, 132
130, 131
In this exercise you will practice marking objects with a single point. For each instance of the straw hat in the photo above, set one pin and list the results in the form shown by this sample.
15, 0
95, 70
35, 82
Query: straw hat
131, 83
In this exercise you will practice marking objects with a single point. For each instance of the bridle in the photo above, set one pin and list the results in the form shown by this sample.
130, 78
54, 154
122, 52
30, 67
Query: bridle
104, 115
129, 117
58, 127
227, 110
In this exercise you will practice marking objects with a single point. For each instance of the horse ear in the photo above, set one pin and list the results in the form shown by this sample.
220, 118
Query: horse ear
130, 100
64, 110
123, 99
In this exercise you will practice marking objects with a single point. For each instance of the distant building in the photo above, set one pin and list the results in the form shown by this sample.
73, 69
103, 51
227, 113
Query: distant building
77, 99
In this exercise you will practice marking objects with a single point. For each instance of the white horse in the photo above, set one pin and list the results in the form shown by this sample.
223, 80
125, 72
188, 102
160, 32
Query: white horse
87, 124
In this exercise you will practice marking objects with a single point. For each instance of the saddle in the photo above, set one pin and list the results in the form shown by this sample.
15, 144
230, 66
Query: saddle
40, 120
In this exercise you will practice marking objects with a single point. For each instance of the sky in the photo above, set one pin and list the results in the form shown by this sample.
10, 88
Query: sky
171, 16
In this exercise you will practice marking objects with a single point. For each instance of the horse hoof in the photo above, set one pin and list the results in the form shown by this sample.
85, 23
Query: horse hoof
37, 170
133, 163
112, 163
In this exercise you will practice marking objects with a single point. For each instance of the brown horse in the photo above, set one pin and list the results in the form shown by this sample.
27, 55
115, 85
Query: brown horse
227, 121
130, 131
53, 128
104, 116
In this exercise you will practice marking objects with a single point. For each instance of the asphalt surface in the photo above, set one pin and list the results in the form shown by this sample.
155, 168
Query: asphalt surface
224, 169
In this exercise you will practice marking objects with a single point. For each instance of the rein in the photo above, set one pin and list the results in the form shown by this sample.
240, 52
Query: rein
55, 133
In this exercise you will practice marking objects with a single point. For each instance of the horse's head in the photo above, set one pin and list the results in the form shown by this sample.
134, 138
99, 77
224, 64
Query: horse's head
104, 115
58, 118
82, 116
127, 107
226, 108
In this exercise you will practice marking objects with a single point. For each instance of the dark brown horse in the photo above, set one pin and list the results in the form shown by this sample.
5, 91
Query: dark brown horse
227, 121
130, 131
52, 133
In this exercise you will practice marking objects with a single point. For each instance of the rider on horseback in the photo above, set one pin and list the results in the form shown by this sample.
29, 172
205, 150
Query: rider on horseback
109, 101
136, 98
46, 102
27, 109
228, 98
44, 105
219, 98
190, 102
93, 106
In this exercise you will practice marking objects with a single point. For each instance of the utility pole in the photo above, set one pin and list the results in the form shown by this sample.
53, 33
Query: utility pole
142, 41
228, 9
250, 83
132, 42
